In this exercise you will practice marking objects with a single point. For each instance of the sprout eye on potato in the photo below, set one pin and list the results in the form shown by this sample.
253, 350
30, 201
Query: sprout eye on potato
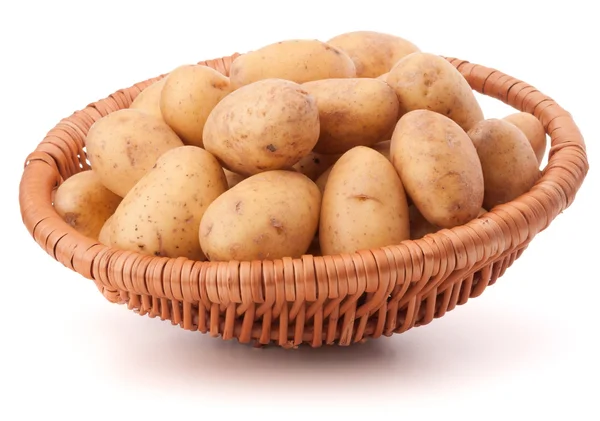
307, 147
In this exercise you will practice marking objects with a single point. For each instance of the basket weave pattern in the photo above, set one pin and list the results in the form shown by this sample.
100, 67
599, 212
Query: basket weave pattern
315, 300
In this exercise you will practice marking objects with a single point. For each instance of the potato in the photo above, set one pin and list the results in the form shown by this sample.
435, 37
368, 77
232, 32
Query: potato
383, 148
124, 145
425, 81
322, 180
84, 203
267, 125
439, 167
299, 61
383, 77
149, 99
510, 167
364, 204
232, 178
161, 215
533, 129
420, 227
104, 236
314, 164
373, 53
270, 215
353, 112
189, 95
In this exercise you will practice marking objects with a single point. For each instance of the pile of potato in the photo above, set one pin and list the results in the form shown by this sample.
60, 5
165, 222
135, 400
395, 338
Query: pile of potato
315, 147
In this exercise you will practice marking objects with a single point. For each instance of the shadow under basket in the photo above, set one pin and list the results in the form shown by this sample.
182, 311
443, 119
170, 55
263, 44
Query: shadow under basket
316, 300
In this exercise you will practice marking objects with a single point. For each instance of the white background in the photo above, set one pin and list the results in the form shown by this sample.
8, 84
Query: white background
527, 347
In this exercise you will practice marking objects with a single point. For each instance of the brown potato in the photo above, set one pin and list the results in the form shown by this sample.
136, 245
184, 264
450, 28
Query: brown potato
161, 215
270, 215
125, 144
364, 204
299, 61
353, 112
533, 129
267, 125
188, 96
510, 167
439, 167
314, 164
373, 53
149, 99
84, 203
425, 81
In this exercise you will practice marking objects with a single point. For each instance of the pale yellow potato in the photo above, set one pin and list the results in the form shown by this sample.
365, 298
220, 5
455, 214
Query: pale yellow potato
533, 130
364, 205
149, 99
104, 236
426, 81
232, 178
161, 215
84, 203
267, 125
383, 148
439, 168
373, 53
314, 164
353, 112
299, 60
269, 215
125, 144
510, 167
189, 95
322, 180
383, 77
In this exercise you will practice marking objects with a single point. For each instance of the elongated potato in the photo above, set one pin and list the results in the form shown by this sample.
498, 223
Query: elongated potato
189, 95
84, 203
299, 60
425, 81
125, 144
533, 130
267, 125
149, 99
439, 167
161, 215
270, 215
314, 164
364, 204
373, 53
353, 112
510, 167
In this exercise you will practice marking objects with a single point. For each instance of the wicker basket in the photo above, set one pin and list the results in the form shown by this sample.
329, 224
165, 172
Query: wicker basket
316, 300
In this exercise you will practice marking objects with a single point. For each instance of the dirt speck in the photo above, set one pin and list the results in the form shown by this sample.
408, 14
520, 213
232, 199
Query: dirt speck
271, 147
278, 225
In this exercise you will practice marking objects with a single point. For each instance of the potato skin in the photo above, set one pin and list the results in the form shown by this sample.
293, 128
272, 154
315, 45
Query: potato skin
439, 167
364, 204
189, 95
510, 167
149, 99
232, 178
160, 216
84, 203
383, 148
104, 236
124, 145
298, 60
314, 164
533, 130
270, 215
322, 180
373, 53
420, 227
353, 112
268, 125
425, 81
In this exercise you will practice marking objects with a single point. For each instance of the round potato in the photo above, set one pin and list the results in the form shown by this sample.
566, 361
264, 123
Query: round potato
510, 167
149, 99
353, 112
364, 204
267, 125
314, 164
189, 95
84, 203
270, 215
300, 61
104, 236
533, 129
425, 81
161, 215
439, 167
124, 145
373, 53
